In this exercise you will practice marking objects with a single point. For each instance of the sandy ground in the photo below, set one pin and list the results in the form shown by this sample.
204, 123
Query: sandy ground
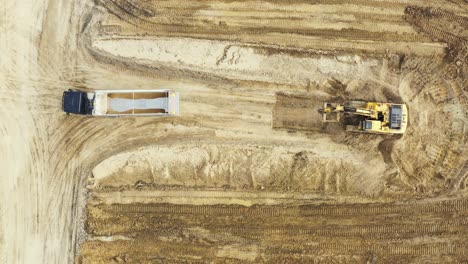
347, 233
247, 150
39, 187
261, 76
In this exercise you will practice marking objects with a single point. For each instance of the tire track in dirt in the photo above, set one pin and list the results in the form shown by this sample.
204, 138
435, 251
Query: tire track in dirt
329, 210
428, 20
284, 231
280, 229
384, 250
187, 21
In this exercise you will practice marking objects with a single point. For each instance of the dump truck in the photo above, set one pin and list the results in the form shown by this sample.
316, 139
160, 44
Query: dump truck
121, 102
367, 117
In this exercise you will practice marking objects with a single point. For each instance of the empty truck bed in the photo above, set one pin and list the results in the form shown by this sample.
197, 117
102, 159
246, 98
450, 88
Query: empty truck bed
136, 102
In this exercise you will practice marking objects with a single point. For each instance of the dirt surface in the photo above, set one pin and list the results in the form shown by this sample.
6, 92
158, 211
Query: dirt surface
382, 232
248, 172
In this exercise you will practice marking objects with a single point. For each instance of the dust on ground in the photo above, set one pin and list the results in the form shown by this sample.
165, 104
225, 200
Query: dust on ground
247, 173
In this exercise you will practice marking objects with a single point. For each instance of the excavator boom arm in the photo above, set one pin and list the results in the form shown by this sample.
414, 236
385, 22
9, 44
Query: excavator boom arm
339, 108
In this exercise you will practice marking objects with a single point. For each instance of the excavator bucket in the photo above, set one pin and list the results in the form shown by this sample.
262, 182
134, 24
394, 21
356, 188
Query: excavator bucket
329, 113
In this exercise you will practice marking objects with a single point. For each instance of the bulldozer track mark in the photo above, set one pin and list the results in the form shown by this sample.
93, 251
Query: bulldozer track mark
435, 32
386, 231
423, 81
422, 18
200, 210
389, 230
383, 250
440, 93
188, 22
435, 153
461, 177
433, 207
438, 12
349, 210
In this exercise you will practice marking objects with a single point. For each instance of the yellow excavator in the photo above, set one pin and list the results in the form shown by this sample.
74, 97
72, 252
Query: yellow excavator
368, 117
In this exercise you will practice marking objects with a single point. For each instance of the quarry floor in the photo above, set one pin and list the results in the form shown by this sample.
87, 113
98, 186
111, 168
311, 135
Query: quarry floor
247, 172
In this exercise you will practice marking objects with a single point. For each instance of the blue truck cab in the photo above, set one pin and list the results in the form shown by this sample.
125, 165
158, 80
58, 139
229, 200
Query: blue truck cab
77, 102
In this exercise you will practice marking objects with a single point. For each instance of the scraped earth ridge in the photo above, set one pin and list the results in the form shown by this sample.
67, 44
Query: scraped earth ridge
241, 168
